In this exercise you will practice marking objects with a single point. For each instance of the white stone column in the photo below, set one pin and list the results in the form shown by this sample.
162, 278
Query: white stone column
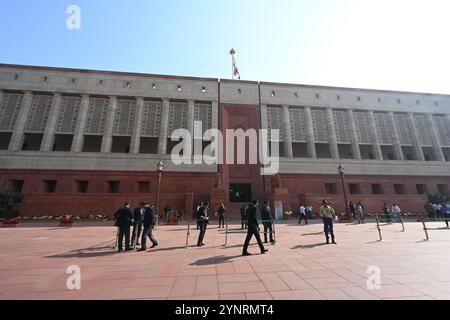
215, 115
288, 153
264, 125
396, 137
18, 133
332, 133
354, 137
191, 119
109, 126
78, 135
436, 141
374, 132
49, 133
164, 128
416, 140
310, 132
137, 126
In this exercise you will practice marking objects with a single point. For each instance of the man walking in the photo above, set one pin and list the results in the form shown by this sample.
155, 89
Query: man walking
149, 221
359, 211
243, 217
387, 213
138, 216
253, 228
302, 211
396, 211
203, 220
221, 215
124, 219
328, 214
266, 216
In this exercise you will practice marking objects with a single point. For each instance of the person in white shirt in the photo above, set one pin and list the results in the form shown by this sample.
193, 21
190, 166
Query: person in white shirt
302, 211
397, 211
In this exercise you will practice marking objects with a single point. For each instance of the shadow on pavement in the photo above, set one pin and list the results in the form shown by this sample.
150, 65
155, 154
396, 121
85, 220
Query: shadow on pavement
213, 260
312, 234
96, 251
309, 246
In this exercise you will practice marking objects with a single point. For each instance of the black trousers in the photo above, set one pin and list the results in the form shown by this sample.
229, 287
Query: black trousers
243, 223
148, 232
201, 236
303, 216
252, 231
328, 228
136, 227
268, 228
221, 220
124, 231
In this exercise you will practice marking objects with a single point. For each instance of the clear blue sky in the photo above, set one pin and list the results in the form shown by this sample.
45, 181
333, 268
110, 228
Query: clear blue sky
380, 44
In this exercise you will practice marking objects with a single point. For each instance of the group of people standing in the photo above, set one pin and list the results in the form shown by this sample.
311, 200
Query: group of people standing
143, 219
357, 210
439, 210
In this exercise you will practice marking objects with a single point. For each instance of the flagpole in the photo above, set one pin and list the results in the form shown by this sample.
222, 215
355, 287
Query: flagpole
232, 52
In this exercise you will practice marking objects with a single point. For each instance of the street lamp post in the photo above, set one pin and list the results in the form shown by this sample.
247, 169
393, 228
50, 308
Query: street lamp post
159, 168
347, 209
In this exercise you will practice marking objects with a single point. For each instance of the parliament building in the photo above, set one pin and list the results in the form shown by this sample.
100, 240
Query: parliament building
84, 141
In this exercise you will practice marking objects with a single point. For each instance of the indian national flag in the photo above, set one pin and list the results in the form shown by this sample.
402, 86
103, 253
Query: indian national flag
235, 70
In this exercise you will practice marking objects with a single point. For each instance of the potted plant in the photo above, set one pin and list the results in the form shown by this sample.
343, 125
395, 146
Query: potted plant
8, 204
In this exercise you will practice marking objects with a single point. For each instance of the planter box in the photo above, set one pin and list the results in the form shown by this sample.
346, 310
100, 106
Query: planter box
66, 224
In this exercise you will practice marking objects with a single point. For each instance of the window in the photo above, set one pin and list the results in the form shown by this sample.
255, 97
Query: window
203, 89
421, 189
82, 186
359, 98
399, 189
317, 96
5, 138
74, 80
377, 189
179, 88
379, 100
16, 185
399, 101
296, 94
443, 189
45, 79
113, 186
239, 91
127, 84
16, 77
143, 187
417, 102
338, 97
100, 83
330, 188
436, 104
154, 86
49, 186
273, 94
354, 188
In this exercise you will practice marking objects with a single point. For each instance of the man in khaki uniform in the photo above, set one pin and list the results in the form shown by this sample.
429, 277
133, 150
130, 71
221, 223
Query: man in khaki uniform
328, 214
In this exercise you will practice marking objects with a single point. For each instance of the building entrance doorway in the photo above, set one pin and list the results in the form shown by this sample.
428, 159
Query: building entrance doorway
240, 192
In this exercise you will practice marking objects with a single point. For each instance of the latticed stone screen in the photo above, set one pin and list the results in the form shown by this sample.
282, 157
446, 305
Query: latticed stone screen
297, 121
342, 126
203, 113
95, 122
404, 128
9, 110
124, 119
68, 114
320, 125
275, 121
423, 129
384, 128
38, 114
178, 112
362, 127
443, 129
151, 119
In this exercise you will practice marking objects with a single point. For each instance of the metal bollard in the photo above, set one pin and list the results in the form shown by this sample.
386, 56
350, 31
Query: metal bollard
187, 235
425, 229
116, 247
378, 227
226, 233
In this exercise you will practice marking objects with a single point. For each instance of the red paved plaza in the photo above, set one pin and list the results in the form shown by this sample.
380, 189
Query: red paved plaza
34, 260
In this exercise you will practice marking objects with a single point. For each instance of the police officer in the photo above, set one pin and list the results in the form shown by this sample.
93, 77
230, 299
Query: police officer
203, 220
149, 222
253, 228
124, 219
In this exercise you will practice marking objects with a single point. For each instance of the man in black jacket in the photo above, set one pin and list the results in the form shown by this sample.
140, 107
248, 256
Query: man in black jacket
149, 222
138, 215
124, 219
266, 216
203, 220
253, 228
